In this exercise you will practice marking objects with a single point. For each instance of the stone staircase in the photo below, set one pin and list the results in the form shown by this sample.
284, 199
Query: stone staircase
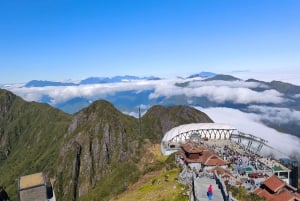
201, 184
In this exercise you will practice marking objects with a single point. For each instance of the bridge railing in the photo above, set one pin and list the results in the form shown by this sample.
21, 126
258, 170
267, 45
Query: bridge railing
227, 196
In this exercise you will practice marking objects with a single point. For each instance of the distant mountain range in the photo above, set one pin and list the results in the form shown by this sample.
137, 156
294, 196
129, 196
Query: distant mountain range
90, 80
102, 80
277, 102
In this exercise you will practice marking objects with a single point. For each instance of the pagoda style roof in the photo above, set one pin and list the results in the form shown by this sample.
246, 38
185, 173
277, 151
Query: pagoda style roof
206, 156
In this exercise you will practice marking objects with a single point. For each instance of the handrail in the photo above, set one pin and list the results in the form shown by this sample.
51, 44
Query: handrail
227, 196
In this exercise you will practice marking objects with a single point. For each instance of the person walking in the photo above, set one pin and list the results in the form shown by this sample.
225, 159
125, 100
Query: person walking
210, 192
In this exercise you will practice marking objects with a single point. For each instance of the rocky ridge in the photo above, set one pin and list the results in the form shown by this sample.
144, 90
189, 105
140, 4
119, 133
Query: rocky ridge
91, 155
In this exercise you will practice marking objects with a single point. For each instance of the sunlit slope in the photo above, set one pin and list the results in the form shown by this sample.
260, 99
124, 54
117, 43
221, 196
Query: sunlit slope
95, 154
30, 138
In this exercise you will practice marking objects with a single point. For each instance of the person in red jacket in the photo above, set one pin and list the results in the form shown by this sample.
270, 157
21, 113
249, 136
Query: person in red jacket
210, 192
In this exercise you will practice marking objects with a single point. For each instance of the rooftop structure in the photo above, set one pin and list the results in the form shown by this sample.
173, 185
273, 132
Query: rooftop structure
200, 157
32, 180
34, 188
206, 148
222, 172
196, 131
209, 131
275, 189
276, 168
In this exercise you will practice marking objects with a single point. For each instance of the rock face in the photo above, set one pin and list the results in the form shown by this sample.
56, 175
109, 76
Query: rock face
6, 100
97, 138
89, 155
101, 136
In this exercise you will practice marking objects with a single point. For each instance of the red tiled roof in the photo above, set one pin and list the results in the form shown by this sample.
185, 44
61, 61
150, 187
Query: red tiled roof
257, 191
278, 190
263, 193
274, 183
192, 148
283, 196
206, 157
215, 160
222, 172
255, 175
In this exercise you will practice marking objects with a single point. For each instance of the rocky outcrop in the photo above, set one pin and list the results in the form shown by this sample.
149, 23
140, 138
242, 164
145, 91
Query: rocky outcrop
104, 137
6, 101
96, 148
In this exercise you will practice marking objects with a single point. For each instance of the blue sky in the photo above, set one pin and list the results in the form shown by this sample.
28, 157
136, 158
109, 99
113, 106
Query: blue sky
68, 39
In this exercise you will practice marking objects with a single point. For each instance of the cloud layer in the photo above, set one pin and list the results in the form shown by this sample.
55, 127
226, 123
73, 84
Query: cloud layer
276, 115
250, 123
239, 92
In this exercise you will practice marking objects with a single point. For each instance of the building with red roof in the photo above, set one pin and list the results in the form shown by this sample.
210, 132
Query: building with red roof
274, 189
199, 156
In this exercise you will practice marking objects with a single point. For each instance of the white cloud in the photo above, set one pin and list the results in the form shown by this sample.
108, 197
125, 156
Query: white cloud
218, 91
232, 84
284, 75
221, 94
249, 123
297, 96
276, 114
63, 93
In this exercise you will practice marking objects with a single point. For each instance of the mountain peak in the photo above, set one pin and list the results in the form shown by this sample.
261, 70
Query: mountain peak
202, 75
223, 78
161, 119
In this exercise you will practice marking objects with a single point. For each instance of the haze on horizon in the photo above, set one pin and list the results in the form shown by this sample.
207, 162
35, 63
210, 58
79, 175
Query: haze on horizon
59, 40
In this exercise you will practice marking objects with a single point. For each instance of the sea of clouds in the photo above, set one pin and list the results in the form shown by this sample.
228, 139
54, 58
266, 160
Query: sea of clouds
239, 92
216, 91
284, 145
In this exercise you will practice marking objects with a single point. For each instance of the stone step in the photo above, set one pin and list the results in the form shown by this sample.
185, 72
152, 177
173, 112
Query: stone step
201, 186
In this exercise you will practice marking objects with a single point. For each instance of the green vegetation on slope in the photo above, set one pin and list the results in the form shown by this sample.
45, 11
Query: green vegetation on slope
242, 194
30, 137
161, 187
159, 180
94, 154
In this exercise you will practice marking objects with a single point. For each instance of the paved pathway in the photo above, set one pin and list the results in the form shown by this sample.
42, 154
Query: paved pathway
201, 185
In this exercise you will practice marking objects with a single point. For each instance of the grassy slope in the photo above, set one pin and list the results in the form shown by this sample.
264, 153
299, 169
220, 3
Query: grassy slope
154, 178
156, 186
34, 132
159, 181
